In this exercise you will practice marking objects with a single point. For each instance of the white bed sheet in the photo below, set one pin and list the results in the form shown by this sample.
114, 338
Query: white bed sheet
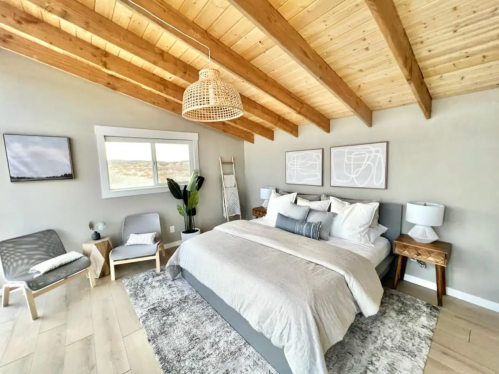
376, 255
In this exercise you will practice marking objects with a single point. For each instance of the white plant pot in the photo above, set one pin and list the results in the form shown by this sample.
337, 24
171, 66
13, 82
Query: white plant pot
186, 237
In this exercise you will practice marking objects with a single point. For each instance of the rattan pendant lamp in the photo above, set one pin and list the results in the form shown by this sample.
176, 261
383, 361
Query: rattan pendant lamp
209, 99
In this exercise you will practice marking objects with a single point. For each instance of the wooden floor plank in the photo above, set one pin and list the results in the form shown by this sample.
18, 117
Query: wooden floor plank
49, 353
79, 319
456, 362
448, 325
23, 340
140, 354
21, 366
466, 350
127, 317
56, 310
487, 340
80, 357
110, 350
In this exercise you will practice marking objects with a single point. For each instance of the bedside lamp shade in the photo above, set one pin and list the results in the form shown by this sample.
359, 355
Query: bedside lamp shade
424, 215
265, 193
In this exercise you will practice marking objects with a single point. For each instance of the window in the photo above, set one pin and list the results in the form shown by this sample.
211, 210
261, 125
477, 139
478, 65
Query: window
136, 161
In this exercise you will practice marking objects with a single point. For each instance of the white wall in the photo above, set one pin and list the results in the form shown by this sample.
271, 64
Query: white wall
37, 99
450, 159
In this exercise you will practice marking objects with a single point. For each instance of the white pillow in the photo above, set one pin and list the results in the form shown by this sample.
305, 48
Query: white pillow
141, 239
352, 222
322, 206
279, 204
336, 204
376, 233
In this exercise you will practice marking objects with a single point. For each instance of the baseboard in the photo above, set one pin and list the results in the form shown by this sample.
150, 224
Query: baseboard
172, 244
454, 293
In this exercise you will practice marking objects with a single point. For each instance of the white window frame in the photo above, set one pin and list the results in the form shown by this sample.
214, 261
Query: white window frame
157, 136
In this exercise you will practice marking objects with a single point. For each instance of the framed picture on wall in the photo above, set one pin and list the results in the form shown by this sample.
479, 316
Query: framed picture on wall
38, 158
360, 165
305, 167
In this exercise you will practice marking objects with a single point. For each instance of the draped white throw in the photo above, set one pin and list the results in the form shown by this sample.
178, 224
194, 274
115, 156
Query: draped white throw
232, 196
302, 294
54, 263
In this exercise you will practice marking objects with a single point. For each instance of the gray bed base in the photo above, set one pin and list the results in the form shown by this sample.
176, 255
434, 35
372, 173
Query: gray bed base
390, 216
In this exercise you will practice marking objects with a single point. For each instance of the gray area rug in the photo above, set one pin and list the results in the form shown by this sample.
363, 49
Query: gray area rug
189, 336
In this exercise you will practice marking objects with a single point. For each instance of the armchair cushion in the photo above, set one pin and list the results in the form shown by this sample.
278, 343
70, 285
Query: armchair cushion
28, 280
133, 251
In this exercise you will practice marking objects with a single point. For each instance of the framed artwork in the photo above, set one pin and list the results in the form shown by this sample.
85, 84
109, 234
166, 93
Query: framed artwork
305, 167
360, 166
38, 158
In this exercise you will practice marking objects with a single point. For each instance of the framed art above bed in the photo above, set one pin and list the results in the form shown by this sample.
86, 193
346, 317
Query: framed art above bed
360, 166
305, 167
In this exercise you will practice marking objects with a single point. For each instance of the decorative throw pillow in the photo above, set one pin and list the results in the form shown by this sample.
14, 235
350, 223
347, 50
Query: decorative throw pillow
352, 222
316, 205
309, 229
279, 204
297, 212
326, 219
141, 239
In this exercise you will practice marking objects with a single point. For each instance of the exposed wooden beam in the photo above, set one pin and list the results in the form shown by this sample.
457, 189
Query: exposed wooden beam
33, 50
85, 18
251, 126
391, 27
275, 26
225, 57
20, 21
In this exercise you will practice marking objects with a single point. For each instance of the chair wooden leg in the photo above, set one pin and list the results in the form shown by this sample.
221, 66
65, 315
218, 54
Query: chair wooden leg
6, 296
31, 303
111, 265
91, 277
158, 262
163, 251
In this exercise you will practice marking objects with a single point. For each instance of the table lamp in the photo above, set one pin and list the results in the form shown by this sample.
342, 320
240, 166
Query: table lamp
424, 216
265, 193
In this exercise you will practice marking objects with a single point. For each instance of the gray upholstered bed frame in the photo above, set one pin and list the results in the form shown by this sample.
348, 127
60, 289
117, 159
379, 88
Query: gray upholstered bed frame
390, 215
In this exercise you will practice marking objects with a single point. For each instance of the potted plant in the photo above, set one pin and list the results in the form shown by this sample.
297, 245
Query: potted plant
96, 228
190, 199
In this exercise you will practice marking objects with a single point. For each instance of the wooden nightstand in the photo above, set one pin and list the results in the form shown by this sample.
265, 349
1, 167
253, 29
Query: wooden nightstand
437, 253
259, 212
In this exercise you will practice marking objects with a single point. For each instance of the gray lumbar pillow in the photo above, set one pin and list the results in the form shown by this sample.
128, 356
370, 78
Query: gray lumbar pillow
309, 229
297, 212
326, 218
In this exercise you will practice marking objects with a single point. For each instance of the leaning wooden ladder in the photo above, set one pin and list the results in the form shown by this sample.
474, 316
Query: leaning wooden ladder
224, 194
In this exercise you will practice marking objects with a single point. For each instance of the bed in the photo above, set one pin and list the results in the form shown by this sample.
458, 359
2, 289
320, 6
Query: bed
232, 306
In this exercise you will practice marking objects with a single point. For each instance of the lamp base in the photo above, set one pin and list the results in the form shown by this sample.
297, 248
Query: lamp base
265, 204
423, 234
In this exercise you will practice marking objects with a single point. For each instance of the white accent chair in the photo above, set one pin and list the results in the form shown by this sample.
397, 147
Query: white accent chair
138, 224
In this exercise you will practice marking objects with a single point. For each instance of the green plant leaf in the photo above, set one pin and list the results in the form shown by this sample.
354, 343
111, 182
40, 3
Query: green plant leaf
193, 182
181, 211
193, 200
174, 188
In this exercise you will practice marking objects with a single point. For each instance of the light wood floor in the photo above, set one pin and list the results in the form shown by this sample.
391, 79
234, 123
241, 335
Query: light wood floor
83, 330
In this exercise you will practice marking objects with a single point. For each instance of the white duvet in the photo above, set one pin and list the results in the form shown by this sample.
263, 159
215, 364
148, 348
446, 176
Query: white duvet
302, 294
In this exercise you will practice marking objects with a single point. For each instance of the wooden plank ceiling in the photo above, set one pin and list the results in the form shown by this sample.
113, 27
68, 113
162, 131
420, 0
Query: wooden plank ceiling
440, 47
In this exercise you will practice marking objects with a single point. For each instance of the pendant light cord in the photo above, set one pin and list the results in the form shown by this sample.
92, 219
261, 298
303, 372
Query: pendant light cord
173, 27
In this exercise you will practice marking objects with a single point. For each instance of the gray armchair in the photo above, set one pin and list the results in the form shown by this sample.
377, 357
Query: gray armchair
137, 224
18, 255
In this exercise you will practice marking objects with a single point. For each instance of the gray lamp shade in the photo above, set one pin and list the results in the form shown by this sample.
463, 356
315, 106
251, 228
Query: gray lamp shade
425, 214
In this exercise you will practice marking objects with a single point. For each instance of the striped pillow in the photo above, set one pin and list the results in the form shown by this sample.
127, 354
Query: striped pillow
141, 239
309, 229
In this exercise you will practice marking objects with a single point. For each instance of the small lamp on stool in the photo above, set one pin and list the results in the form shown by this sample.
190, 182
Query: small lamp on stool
424, 216
265, 193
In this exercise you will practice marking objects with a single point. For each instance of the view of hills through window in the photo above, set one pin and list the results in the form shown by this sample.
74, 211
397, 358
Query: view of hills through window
131, 164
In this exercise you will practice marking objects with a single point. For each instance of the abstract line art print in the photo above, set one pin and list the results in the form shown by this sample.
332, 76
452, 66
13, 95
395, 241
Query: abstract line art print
359, 166
305, 167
